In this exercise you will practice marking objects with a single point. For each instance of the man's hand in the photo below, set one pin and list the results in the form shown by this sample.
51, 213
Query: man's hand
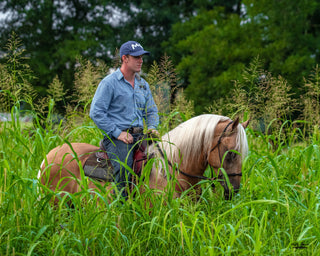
126, 137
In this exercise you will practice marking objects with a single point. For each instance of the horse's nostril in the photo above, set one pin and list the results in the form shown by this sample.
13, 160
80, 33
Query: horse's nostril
227, 196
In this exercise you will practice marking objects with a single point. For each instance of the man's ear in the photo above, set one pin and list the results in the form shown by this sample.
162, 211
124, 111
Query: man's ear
124, 58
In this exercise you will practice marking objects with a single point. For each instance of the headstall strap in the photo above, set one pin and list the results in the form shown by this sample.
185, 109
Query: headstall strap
219, 141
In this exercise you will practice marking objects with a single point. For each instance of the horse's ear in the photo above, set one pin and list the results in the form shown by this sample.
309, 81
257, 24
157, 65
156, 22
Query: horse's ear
235, 123
246, 123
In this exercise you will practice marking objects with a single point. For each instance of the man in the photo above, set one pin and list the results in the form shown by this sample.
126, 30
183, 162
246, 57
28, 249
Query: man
122, 102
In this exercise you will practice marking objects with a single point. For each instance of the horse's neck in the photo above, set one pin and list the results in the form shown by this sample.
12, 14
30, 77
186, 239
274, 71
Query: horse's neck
195, 166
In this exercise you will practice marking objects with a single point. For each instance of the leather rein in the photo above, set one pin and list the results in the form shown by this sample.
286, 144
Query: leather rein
216, 146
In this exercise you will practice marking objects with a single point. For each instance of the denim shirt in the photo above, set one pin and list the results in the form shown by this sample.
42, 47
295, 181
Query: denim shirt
117, 106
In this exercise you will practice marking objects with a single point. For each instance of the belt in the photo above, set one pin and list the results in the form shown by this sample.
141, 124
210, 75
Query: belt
135, 130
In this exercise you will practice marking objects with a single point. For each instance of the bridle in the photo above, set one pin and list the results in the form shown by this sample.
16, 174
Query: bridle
220, 157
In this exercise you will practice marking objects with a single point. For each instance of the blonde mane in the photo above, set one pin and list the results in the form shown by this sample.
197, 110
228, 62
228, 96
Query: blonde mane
194, 136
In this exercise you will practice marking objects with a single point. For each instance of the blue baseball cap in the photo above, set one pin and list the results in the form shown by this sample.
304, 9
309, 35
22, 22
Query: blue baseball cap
132, 48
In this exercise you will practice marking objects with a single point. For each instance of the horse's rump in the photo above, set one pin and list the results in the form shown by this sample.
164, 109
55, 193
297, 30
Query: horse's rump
63, 161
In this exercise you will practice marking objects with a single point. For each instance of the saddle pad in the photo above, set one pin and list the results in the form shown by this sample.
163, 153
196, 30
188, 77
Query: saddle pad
96, 168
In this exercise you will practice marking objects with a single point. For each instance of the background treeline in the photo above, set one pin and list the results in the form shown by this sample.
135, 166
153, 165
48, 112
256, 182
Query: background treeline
210, 42
258, 94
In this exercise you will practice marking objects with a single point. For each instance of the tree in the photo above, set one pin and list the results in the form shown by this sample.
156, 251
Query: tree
215, 50
55, 32
151, 20
290, 34
212, 49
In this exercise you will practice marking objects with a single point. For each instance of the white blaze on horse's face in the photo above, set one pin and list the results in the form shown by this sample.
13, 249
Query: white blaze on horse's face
228, 150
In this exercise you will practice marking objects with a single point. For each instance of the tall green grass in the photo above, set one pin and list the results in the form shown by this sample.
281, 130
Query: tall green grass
275, 212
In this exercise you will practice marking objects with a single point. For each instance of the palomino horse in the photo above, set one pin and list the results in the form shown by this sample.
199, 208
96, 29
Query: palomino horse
189, 148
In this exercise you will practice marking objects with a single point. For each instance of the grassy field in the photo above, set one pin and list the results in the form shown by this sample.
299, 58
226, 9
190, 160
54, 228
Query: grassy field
276, 211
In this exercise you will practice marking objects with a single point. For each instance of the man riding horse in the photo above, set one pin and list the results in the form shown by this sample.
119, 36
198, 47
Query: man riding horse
122, 102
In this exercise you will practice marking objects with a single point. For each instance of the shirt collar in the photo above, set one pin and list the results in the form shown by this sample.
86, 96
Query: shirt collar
119, 74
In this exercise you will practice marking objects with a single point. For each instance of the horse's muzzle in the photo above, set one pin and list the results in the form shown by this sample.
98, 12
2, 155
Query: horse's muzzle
228, 194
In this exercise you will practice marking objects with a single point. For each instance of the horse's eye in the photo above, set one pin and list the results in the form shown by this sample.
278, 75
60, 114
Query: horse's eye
231, 156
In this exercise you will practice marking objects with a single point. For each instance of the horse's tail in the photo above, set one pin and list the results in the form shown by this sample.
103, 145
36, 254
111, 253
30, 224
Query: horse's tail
40, 170
39, 179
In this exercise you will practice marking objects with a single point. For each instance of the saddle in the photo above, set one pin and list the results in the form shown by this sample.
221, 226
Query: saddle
98, 165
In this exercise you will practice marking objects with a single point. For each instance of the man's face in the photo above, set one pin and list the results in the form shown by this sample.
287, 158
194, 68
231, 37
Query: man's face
134, 62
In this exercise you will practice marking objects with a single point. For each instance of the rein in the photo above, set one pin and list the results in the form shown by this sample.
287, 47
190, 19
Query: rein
204, 177
184, 173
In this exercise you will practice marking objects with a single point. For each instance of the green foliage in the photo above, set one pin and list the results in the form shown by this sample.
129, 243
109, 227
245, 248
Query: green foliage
212, 48
15, 76
276, 209
86, 80
55, 33
160, 88
153, 19
267, 100
163, 83
210, 42
172, 104
56, 90
311, 100
289, 36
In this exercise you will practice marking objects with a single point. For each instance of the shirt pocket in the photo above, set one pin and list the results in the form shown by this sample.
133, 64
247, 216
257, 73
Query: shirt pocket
140, 99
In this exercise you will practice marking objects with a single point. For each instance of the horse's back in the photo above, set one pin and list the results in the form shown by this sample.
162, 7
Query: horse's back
65, 153
79, 148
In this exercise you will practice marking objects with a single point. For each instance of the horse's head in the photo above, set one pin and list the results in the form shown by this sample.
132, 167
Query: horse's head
206, 139
228, 149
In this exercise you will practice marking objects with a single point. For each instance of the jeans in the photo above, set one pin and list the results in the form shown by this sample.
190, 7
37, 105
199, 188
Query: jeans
119, 151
